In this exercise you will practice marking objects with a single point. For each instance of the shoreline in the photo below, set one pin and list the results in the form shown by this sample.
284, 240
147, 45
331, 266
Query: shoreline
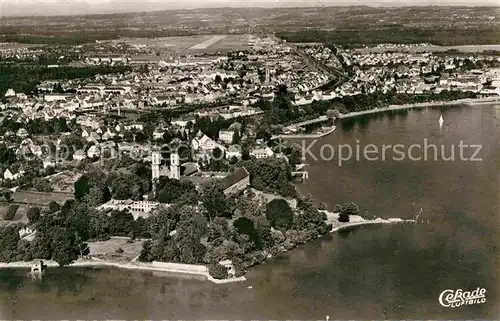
470, 101
195, 270
370, 222
185, 269
356, 220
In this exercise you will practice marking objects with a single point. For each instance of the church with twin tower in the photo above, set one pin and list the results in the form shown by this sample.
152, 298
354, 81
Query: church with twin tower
157, 170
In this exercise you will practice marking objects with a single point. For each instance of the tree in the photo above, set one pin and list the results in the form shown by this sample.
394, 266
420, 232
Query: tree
343, 218
126, 186
172, 190
98, 225
146, 252
65, 247
42, 185
271, 175
9, 239
347, 210
54, 207
245, 226
163, 220
214, 201
94, 197
82, 187
279, 214
350, 209
263, 228
106, 194
218, 231
121, 223
218, 271
333, 114
189, 232
217, 153
33, 214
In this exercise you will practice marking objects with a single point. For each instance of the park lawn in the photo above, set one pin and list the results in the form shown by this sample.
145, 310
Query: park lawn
107, 249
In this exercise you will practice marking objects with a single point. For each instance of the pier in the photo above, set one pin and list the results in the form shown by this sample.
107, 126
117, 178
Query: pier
303, 174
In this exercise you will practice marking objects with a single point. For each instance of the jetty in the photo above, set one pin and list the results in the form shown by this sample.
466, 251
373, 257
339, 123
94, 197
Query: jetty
303, 174
317, 135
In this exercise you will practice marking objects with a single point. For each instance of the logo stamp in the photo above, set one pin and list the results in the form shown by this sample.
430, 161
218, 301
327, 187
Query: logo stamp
456, 298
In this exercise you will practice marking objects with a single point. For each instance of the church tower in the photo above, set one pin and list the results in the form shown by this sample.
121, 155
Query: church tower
155, 165
175, 170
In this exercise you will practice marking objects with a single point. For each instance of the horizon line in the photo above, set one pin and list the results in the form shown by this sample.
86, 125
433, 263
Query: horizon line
246, 7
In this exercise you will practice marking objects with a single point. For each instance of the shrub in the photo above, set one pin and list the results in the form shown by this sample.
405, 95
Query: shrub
218, 271
344, 218
119, 250
239, 267
33, 214
279, 214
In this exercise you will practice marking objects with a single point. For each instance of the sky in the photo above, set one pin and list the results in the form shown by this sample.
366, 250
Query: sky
75, 7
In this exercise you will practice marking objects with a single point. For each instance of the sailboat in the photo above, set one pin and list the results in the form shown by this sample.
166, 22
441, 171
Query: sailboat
441, 121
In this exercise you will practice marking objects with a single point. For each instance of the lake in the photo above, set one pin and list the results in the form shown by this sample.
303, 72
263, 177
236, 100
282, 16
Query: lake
372, 272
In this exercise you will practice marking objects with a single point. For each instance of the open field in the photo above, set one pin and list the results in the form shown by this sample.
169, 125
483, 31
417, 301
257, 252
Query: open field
38, 198
207, 43
199, 44
108, 248
336, 24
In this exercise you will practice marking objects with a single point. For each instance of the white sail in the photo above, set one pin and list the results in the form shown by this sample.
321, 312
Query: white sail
441, 120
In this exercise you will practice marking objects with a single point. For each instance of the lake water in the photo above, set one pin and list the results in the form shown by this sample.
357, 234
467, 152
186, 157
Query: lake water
369, 272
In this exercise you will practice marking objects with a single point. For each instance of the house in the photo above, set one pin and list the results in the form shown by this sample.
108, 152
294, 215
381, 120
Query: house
136, 208
79, 155
139, 127
85, 133
88, 122
158, 133
261, 152
25, 231
204, 146
94, 137
108, 135
12, 175
48, 163
226, 136
233, 151
10, 93
22, 133
93, 151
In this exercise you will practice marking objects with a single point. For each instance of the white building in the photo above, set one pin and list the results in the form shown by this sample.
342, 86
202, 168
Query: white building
10, 93
11, 175
79, 155
204, 146
136, 208
262, 152
226, 136
93, 152
233, 151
